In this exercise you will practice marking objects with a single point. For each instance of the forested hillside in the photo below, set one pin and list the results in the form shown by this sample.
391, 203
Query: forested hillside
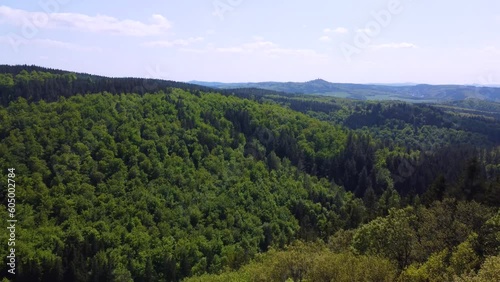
411, 92
35, 83
177, 181
427, 126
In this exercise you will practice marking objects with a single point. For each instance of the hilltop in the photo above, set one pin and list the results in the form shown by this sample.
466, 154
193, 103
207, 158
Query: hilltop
406, 92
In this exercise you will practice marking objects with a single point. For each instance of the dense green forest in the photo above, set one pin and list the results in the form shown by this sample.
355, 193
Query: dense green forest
35, 83
147, 180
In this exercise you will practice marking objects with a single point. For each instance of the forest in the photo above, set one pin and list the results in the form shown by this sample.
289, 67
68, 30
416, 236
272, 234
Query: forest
129, 179
405, 91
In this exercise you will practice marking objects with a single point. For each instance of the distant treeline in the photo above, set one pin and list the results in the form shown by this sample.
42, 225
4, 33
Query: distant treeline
35, 83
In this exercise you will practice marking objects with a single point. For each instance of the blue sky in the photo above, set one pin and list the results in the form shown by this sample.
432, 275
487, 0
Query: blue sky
358, 41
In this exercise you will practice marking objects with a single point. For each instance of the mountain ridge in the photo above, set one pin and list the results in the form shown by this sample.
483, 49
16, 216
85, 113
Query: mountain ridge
405, 91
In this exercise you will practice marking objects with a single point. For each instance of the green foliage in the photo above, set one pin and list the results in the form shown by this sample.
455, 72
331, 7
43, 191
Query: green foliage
464, 258
434, 269
444, 265
490, 270
490, 234
309, 262
392, 237
6, 80
164, 185
181, 183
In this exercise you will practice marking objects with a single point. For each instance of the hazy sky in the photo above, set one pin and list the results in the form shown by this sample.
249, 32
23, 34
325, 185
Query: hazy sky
360, 41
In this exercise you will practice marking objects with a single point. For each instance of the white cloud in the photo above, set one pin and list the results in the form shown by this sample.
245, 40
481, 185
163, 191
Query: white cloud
194, 51
257, 45
364, 30
491, 49
396, 45
293, 52
231, 50
339, 30
60, 44
49, 43
173, 43
261, 46
325, 38
489, 78
157, 24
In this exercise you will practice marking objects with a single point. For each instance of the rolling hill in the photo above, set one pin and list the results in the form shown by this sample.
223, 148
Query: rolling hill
405, 92
130, 179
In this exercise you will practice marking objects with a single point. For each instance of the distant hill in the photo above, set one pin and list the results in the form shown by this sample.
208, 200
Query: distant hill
405, 92
34, 83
